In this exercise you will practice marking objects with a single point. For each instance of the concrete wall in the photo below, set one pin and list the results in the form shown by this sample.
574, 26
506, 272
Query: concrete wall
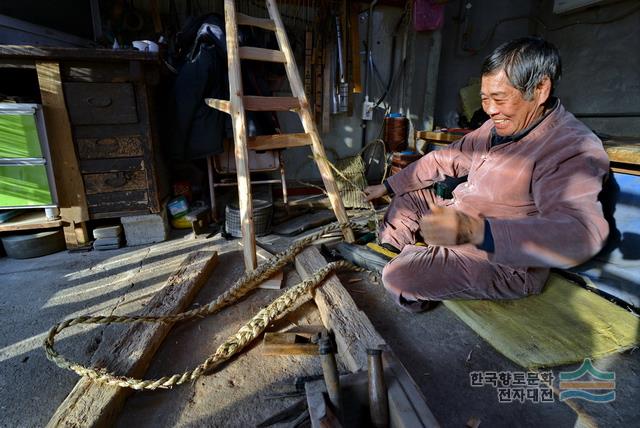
411, 93
601, 62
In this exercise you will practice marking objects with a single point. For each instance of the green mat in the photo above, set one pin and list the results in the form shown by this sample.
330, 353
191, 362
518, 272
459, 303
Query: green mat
563, 325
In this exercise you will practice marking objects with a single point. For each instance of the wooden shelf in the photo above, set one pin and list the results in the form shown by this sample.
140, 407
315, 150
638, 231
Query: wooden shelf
28, 221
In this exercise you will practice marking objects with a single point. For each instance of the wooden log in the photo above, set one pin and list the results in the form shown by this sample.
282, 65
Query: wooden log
354, 334
95, 405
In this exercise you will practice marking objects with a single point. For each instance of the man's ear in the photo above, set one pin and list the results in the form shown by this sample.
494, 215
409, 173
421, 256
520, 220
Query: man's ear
543, 90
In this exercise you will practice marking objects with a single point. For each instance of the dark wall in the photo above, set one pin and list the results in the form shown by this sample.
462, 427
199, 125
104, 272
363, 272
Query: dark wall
69, 16
599, 49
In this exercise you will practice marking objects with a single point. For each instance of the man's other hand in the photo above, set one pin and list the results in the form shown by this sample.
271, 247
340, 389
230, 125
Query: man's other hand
375, 192
448, 226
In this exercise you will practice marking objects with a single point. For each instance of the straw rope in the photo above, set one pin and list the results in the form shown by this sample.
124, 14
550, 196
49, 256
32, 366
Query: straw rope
288, 301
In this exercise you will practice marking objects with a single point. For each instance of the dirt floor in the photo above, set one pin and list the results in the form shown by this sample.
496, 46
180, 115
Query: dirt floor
437, 348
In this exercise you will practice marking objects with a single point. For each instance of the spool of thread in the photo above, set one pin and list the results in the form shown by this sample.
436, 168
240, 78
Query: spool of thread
395, 132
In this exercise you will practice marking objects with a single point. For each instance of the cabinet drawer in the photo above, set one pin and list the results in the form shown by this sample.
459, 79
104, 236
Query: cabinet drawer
115, 182
112, 204
19, 136
116, 147
24, 185
101, 103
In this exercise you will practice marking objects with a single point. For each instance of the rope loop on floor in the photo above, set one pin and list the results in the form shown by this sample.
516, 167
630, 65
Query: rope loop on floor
281, 306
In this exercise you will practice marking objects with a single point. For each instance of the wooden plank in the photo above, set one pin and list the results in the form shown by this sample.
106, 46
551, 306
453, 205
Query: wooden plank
238, 120
114, 147
623, 150
69, 184
308, 124
49, 53
95, 405
28, 221
278, 141
97, 72
305, 222
354, 334
133, 200
261, 54
115, 182
111, 165
222, 105
265, 24
255, 103
275, 281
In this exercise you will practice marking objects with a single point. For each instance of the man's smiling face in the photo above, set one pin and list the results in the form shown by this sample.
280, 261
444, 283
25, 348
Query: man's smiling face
507, 106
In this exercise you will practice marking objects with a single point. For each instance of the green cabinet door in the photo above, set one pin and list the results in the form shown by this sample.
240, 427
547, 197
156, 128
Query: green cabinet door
19, 136
24, 185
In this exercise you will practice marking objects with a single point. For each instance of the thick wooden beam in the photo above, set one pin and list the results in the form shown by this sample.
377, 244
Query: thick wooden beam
69, 184
265, 24
354, 333
95, 405
261, 54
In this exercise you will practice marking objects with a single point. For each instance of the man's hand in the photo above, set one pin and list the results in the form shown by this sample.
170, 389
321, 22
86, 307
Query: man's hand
448, 226
375, 192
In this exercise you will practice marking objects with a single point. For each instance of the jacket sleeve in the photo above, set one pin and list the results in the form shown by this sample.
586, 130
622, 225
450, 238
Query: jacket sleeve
569, 227
454, 161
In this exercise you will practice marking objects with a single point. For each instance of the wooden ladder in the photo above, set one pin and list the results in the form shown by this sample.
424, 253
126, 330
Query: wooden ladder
239, 103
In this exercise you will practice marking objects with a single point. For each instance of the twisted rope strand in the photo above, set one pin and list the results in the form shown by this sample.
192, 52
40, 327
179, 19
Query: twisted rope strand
289, 300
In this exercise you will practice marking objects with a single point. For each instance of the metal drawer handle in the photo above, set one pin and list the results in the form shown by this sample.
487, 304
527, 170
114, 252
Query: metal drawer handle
100, 102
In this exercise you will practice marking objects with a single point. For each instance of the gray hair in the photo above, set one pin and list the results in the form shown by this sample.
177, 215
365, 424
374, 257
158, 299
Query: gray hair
526, 62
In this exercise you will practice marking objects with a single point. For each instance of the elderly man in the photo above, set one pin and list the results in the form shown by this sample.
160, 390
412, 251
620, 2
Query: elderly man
530, 201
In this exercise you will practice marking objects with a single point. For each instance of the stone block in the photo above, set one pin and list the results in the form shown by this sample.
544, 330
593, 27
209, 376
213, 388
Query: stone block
145, 229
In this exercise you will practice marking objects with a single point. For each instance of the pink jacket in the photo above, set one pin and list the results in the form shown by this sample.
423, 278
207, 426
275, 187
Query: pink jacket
539, 194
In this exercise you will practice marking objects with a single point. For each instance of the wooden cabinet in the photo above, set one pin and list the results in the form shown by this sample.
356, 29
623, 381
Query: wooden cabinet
111, 112
99, 108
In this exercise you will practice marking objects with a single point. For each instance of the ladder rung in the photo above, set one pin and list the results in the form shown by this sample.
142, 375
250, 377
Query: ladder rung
260, 54
278, 141
222, 105
265, 24
253, 103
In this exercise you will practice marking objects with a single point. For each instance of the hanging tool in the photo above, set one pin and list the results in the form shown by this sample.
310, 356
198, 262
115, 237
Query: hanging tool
342, 88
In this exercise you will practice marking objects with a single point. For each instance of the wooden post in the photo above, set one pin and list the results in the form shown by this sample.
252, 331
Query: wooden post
238, 119
69, 184
309, 125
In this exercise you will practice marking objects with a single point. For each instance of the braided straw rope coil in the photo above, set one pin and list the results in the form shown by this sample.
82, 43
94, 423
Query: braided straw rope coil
288, 301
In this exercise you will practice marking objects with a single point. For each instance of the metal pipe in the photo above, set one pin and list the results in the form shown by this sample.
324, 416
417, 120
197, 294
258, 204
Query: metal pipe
363, 124
378, 400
